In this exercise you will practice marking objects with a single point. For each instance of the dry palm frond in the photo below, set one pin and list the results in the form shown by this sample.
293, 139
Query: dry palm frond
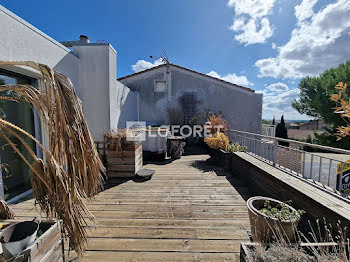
71, 169
5, 211
114, 139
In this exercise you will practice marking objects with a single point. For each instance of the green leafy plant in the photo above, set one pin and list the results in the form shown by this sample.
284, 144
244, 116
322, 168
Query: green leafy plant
281, 212
236, 147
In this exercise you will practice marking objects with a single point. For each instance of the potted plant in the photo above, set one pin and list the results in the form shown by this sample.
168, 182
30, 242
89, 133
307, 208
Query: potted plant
272, 219
227, 155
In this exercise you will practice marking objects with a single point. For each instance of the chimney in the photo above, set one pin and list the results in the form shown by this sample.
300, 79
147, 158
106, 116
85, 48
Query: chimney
84, 39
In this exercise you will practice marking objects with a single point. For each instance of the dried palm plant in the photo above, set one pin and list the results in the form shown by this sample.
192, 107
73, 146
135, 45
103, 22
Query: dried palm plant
114, 139
71, 168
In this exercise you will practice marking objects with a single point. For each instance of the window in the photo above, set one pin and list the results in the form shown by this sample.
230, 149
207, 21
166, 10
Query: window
15, 173
160, 86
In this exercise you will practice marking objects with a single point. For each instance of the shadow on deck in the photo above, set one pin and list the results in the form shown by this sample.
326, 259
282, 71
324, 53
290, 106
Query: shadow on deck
191, 210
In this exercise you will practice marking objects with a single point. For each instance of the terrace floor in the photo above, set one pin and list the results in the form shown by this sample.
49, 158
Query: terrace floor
188, 211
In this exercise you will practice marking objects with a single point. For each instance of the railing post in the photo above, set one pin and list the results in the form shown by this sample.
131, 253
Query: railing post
303, 166
311, 164
329, 172
340, 182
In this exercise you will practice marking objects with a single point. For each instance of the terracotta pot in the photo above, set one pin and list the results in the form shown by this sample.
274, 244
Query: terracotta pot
266, 229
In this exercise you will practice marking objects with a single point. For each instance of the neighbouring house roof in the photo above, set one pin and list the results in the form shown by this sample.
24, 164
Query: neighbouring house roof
189, 70
298, 134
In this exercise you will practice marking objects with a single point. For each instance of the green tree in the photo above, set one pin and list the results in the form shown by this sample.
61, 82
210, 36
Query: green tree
314, 101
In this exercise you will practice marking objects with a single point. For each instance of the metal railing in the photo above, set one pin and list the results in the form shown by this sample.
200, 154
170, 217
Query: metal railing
293, 157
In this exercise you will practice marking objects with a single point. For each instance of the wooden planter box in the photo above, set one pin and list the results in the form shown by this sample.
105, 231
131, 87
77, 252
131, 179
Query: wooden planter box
124, 163
247, 247
47, 248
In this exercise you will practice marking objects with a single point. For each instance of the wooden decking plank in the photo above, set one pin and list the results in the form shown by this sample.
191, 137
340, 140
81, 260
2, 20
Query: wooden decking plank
162, 233
192, 245
150, 214
93, 256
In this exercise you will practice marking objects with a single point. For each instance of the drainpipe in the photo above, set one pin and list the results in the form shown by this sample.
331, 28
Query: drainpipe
138, 104
168, 80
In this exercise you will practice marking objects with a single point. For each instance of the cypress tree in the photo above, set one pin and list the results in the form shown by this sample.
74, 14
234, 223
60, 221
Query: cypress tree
281, 131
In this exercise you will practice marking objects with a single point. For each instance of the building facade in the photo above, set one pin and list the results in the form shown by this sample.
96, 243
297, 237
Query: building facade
171, 94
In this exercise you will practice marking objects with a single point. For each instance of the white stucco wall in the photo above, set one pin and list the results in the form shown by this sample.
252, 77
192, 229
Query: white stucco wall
125, 106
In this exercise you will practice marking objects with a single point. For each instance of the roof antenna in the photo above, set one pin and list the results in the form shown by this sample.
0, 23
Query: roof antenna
164, 58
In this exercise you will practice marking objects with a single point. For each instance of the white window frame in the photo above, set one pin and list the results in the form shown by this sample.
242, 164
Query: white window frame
155, 86
41, 135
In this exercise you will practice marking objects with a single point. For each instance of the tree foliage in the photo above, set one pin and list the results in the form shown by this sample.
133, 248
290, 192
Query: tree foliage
314, 101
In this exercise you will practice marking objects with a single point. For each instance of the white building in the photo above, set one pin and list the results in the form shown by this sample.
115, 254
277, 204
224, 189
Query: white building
92, 68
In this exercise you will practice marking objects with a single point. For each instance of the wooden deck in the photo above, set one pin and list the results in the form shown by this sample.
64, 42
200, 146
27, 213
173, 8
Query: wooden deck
188, 211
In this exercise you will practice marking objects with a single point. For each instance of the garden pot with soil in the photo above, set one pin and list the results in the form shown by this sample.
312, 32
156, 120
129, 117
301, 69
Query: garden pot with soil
271, 219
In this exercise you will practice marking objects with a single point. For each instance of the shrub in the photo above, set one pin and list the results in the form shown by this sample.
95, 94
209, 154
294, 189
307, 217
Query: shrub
236, 148
277, 251
281, 212
217, 141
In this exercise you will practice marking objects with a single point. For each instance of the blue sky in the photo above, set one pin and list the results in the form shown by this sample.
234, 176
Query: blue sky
267, 45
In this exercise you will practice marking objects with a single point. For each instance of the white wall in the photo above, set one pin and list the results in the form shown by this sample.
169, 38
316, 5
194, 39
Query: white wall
94, 78
125, 105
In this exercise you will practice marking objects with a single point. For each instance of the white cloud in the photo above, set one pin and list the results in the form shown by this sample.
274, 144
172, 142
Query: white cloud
232, 78
252, 32
316, 44
304, 10
253, 8
277, 87
273, 45
278, 99
143, 65
250, 22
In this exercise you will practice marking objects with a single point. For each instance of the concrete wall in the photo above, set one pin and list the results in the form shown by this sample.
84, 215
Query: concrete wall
94, 79
125, 105
241, 108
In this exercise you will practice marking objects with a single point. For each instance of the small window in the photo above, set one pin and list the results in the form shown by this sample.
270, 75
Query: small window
160, 86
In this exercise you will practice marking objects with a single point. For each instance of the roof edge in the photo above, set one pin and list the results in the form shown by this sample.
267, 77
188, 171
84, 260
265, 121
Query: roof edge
190, 70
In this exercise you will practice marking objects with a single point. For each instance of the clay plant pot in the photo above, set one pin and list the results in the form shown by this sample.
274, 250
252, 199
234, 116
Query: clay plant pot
266, 229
